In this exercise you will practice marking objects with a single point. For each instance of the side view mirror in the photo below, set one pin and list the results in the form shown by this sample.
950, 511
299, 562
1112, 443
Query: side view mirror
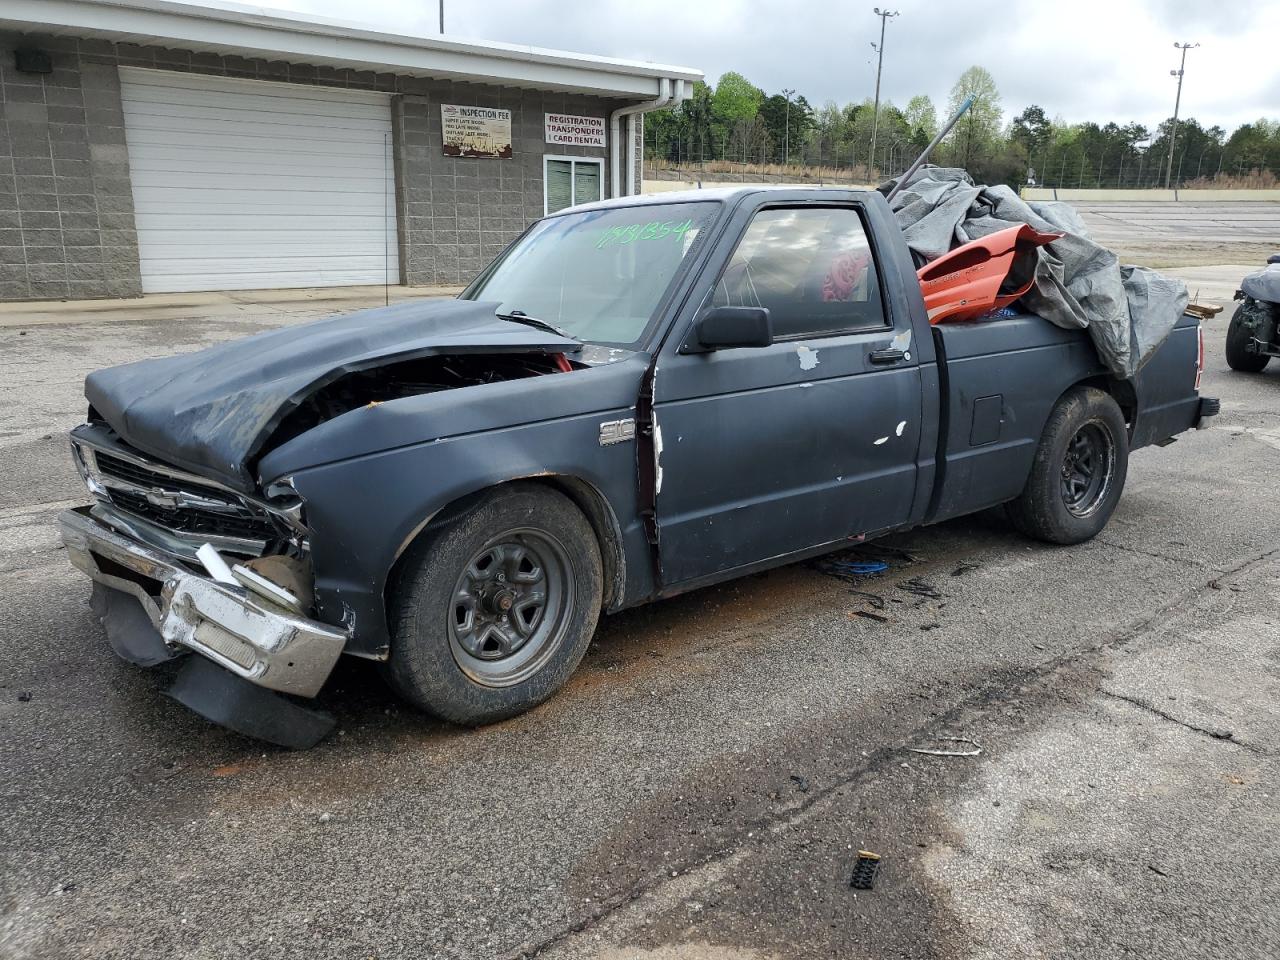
723, 327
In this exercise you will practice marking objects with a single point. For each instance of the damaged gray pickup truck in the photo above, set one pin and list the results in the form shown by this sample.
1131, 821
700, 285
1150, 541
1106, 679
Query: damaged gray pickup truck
639, 397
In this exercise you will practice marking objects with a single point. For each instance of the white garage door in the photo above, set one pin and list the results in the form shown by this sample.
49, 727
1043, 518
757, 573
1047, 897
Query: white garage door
247, 184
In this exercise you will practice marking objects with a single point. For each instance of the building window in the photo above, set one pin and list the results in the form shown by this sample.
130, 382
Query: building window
569, 181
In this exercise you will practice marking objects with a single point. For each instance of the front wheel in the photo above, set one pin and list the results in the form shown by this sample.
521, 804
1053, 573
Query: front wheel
496, 606
1240, 338
1079, 470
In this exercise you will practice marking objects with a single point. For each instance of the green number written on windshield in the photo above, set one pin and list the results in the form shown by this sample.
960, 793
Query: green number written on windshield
645, 231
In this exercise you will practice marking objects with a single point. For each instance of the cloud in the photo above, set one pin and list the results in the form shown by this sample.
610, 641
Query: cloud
1095, 60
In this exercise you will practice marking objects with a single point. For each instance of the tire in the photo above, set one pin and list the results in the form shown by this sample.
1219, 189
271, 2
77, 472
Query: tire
470, 642
1079, 470
1240, 337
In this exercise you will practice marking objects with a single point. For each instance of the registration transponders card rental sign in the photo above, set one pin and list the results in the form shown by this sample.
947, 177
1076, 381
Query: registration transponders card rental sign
574, 131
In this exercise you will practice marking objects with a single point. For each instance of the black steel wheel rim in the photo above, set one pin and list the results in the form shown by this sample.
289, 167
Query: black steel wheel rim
1087, 468
510, 607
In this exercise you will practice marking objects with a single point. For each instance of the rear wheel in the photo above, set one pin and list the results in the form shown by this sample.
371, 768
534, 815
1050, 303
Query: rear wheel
496, 606
1079, 470
1245, 322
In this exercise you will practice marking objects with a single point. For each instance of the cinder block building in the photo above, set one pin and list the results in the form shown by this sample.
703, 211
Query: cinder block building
152, 146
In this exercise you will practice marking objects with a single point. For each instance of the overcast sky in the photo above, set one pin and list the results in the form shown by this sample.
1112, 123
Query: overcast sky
1079, 59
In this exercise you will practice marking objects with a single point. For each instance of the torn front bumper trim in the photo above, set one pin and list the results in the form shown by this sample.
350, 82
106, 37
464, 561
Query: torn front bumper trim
248, 636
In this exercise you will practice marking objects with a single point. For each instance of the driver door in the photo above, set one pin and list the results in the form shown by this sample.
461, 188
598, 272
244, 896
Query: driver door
764, 452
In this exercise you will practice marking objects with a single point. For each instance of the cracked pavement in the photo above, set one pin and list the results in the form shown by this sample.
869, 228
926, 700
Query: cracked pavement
700, 789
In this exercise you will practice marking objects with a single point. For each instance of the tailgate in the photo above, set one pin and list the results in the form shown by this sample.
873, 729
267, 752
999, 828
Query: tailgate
1168, 399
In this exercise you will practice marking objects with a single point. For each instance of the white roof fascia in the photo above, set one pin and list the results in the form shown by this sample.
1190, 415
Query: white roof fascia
248, 31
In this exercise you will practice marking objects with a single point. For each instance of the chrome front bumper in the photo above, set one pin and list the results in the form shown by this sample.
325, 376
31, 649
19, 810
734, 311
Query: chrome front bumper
252, 638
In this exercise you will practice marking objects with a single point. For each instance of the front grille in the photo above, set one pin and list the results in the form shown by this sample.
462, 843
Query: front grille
111, 466
191, 520
238, 519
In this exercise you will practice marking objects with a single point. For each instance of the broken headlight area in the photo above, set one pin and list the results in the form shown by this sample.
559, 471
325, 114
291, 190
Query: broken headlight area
287, 508
178, 512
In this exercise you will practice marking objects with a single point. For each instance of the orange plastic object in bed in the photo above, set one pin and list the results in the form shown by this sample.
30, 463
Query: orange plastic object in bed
983, 275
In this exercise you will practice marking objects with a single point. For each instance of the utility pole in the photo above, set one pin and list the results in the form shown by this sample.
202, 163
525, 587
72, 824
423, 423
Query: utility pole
786, 134
442, 18
1173, 132
875, 120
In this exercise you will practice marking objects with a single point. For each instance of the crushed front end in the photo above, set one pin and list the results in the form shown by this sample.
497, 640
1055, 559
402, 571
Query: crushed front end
184, 565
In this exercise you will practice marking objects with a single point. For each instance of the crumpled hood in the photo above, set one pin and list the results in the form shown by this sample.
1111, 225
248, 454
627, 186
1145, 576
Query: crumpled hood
211, 411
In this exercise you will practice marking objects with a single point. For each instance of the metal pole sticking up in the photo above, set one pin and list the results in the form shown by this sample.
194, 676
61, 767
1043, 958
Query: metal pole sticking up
875, 118
1173, 132
386, 218
906, 177
786, 136
442, 17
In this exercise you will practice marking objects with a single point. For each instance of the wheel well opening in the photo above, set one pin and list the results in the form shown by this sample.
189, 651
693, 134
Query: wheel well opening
605, 525
1122, 392
583, 495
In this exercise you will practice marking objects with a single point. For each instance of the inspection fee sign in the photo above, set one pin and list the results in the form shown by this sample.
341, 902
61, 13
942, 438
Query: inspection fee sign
475, 131
575, 131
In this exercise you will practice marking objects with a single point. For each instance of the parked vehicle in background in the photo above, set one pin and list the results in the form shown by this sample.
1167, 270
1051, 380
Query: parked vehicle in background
639, 397
1252, 335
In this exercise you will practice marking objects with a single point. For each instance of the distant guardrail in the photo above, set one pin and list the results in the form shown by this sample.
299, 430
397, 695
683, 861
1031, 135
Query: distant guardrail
1158, 196
1028, 193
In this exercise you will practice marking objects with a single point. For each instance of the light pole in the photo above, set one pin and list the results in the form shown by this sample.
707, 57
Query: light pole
786, 130
875, 119
1173, 132
442, 17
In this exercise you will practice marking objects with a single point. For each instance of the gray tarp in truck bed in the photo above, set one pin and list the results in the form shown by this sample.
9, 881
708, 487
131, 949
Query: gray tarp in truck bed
1127, 310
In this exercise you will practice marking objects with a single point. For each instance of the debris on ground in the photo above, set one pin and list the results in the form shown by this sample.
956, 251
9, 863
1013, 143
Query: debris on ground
874, 599
850, 571
865, 569
920, 587
802, 783
864, 870
863, 561
964, 568
868, 615
977, 748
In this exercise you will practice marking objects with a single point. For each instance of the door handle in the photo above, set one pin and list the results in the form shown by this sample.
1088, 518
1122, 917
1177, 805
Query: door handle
886, 356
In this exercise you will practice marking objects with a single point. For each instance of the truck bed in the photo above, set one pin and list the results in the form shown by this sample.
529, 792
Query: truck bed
1000, 379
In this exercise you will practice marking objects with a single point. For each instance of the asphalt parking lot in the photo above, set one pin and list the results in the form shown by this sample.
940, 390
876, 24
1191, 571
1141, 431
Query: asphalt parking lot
1176, 235
702, 787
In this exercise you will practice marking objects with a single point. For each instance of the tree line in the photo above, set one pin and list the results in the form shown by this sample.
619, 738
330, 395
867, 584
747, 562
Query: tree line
735, 122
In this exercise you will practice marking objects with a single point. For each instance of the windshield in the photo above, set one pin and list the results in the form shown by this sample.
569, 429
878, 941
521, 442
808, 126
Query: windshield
598, 275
